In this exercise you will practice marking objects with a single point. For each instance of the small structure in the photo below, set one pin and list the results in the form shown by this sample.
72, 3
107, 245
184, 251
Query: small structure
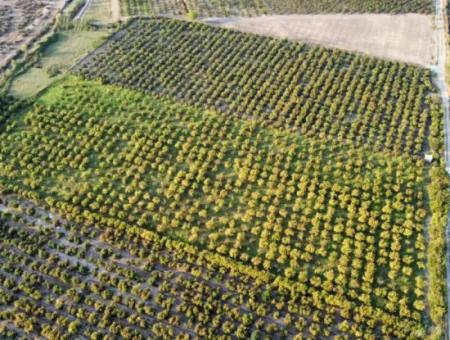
428, 157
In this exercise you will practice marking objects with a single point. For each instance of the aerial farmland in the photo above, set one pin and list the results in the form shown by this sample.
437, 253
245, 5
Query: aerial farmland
23, 21
224, 170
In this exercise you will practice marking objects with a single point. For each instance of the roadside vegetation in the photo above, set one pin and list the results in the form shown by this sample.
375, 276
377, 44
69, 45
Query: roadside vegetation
74, 7
439, 204
8, 107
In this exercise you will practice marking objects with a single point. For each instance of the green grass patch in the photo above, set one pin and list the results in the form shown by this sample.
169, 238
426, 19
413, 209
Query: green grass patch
68, 48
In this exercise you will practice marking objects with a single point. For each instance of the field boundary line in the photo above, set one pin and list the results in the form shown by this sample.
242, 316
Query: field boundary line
113, 37
82, 10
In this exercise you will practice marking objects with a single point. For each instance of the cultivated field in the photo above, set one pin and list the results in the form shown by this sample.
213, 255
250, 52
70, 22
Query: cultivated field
188, 181
208, 8
280, 82
64, 279
310, 213
380, 35
21, 21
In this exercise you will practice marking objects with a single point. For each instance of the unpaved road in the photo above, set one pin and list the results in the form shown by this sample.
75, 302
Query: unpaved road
82, 10
406, 37
115, 10
440, 71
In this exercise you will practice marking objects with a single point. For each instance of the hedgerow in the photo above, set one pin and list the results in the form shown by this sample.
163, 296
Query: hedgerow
8, 107
439, 204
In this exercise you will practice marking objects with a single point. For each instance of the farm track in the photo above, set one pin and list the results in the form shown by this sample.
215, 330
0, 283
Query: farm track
83, 10
115, 10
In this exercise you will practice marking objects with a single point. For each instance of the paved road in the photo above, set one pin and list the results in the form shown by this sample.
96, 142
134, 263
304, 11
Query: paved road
439, 69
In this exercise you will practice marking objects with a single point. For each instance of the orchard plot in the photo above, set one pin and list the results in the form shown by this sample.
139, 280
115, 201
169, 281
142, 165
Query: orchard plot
329, 217
61, 279
333, 94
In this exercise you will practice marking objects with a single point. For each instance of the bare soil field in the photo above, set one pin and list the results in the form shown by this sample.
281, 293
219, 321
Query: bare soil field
21, 21
407, 38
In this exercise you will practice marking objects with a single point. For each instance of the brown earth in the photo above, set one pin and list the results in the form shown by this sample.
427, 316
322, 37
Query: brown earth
115, 9
408, 37
25, 20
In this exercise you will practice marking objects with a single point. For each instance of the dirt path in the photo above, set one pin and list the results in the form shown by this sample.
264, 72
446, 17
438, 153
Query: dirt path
82, 10
381, 35
115, 10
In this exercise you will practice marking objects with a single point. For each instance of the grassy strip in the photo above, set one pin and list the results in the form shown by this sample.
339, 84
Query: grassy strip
75, 7
54, 61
